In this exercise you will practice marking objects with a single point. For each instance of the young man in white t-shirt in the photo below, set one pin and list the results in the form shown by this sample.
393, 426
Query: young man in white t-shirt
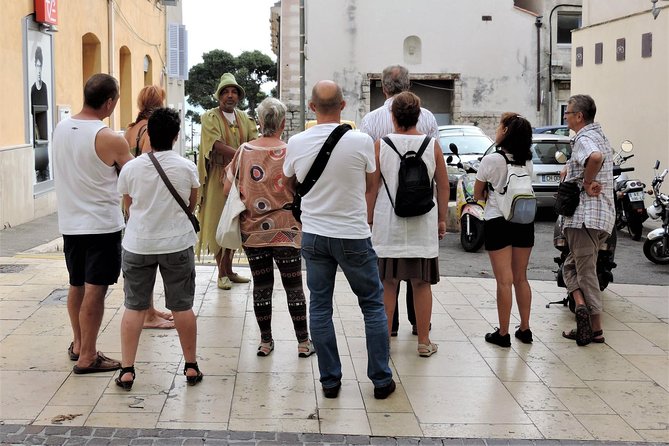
335, 233
159, 234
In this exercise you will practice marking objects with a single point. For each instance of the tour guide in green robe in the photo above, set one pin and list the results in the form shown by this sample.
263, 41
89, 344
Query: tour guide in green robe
224, 129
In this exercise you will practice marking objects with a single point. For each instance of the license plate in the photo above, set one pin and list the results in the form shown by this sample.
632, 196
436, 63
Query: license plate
636, 196
550, 178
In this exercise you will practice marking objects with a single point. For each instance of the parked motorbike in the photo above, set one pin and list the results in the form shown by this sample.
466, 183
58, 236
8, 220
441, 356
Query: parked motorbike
469, 211
656, 246
628, 195
605, 263
605, 256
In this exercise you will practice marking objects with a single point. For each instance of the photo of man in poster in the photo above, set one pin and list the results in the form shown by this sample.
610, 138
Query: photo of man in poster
39, 103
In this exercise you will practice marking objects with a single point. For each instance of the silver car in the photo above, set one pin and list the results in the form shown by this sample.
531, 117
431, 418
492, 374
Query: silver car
546, 173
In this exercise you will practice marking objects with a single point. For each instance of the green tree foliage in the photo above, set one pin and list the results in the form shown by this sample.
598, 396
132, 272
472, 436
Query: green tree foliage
251, 69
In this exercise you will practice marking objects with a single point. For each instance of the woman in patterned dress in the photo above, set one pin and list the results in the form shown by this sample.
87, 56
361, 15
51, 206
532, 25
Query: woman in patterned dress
269, 231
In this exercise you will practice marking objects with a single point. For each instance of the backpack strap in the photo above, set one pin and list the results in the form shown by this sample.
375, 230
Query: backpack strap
388, 141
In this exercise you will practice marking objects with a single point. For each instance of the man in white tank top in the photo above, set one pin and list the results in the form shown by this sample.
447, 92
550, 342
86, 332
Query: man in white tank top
87, 157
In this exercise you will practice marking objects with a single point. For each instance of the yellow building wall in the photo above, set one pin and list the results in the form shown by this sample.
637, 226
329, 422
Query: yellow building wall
138, 25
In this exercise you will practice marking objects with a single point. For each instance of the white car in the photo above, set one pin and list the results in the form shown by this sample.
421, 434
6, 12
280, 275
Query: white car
546, 172
472, 143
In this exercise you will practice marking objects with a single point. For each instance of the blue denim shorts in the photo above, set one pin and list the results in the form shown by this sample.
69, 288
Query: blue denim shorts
177, 270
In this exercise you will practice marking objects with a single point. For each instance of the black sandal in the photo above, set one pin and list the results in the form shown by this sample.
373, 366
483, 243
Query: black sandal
192, 380
127, 385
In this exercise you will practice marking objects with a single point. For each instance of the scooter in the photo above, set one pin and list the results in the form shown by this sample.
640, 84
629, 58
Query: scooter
628, 195
469, 211
656, 246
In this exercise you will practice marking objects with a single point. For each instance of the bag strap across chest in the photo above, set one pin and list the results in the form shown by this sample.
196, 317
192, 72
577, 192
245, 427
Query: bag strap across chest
321, 160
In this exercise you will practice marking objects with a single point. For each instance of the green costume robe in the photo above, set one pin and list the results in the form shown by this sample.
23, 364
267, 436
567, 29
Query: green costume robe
215, 127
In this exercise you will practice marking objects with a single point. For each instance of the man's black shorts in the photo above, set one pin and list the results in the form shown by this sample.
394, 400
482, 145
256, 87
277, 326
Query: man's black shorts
499, 233
93, 258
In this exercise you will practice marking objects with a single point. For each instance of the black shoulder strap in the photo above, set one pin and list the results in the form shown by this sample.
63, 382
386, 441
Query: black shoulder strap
321, 160
423, 146
169, 185
138, 149
501, 152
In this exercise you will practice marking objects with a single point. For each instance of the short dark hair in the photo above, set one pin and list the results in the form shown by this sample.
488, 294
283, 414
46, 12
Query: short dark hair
406, 110
163, 127
518, 138
584, 104
99, 88
38, 55
395, 79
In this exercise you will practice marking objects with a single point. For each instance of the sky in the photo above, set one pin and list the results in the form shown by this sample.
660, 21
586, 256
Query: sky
232, 26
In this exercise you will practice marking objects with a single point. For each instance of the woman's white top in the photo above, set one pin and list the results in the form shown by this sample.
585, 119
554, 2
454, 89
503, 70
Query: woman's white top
403, 237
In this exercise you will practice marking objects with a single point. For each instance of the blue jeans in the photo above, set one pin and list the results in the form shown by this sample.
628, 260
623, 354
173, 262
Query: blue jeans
358, 261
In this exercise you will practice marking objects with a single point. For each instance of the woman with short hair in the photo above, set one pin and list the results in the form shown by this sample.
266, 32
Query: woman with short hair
269, 231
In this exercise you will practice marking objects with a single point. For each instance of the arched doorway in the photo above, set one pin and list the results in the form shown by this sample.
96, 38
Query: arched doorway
90, 56
125, 81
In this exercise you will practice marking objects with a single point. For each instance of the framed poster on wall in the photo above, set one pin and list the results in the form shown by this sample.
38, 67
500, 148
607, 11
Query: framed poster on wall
39, 85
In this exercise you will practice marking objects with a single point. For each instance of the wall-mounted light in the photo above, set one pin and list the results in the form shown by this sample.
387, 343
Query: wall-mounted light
655, 11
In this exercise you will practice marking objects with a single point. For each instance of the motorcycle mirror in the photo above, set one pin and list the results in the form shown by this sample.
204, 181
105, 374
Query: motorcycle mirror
657, 164
449, 159
627, 146
453, 148
560, 157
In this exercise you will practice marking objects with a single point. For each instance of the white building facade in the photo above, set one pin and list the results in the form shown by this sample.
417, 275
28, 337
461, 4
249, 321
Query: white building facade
469, 61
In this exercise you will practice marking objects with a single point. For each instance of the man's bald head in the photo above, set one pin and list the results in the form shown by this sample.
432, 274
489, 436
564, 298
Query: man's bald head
327, 97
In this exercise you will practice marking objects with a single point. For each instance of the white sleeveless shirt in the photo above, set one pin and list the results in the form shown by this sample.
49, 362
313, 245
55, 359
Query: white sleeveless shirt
88, 202
398, 237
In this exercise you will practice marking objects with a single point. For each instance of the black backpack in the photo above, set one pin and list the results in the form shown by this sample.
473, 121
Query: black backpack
415, 189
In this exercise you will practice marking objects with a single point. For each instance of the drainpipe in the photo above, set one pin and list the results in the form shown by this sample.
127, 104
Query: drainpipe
550, 57
537, 23
110, 46
302, 91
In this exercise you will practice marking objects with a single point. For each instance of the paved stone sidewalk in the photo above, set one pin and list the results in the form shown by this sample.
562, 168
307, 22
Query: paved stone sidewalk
65, 435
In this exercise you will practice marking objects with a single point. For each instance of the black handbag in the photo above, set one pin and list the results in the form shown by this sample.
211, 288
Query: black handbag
316, 169
567, 198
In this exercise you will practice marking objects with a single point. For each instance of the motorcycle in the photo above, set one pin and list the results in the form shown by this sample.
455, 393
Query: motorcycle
605, 256
628, 195
469, 211
605, 263
656, 246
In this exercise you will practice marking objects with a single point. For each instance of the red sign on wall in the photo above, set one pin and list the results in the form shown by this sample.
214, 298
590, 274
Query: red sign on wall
46, 11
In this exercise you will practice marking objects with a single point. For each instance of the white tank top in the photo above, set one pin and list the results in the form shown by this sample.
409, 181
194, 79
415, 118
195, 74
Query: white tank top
88, 202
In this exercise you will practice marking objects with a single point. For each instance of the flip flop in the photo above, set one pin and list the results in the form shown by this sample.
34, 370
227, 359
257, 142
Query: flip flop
597, 336
583, 327
101, 364
164, 324
70, 352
